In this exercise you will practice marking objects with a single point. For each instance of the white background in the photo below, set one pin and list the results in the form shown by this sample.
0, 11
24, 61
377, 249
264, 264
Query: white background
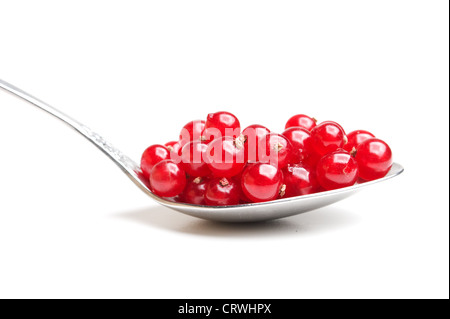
72, 225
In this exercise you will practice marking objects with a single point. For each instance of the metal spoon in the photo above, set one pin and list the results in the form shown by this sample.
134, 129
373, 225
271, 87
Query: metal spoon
239, 213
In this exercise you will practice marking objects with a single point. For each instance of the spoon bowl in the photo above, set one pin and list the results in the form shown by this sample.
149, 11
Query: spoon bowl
238, 213
280, 208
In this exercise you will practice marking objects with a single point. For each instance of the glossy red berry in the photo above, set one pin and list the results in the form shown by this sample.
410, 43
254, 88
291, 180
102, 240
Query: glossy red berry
312, 159
225, 157
301, 143
327, 137
275, 149
355, 138
167, 179
336, 170
237, 179
195, 190
300, 180
222, 192
253, 134
152, 156
193, 157
301, 120
192, 131
220, 124
374, 159
175, 150
261, 182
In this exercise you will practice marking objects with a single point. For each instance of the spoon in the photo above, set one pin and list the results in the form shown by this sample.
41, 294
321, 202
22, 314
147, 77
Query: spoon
239, 213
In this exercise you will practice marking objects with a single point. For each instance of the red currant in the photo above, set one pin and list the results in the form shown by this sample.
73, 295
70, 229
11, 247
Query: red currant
301, 120
374, 159
152, 156
301, 143
195, 190
193, 159
221, 124
167, 179
222, 192
261, 182
225, 157
253, 134
336, 170
276, 150
312, 159
327, 137
300, 180
237, 179
192, 131
355, 138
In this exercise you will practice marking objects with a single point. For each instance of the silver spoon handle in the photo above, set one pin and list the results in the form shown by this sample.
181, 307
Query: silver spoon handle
123, 161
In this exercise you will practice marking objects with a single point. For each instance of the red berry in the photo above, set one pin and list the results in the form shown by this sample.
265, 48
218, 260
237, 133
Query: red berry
175, 150
327, 137
225, 157
222, 192
355, 138
300, 180
337, 124
237, 179
192, 131
253, 134
312, 159
374, 159
152, 156
221, 124
301, 143
336, 170
261, 182
276, 150
193, 159
167, 179
301, 120
195, 190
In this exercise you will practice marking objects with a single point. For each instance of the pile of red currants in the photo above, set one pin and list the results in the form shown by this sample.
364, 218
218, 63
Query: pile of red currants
216, 163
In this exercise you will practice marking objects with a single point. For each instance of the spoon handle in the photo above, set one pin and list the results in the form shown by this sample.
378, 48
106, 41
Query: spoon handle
124, 162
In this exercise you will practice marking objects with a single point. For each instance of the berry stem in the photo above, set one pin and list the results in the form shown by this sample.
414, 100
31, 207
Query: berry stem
282, 190
240, 141
224, 182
